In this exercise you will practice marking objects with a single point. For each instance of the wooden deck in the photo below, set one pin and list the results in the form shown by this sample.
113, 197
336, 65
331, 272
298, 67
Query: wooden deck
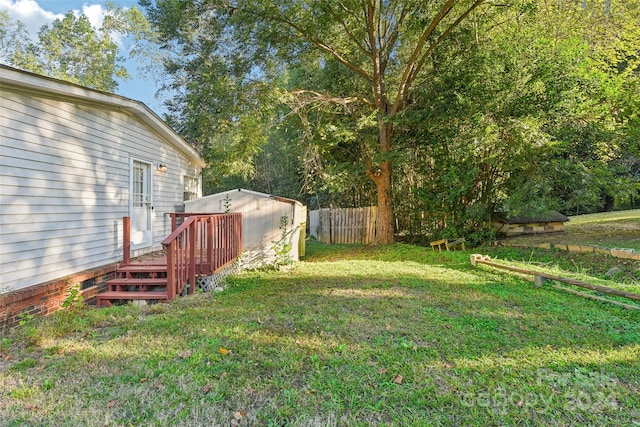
202, 245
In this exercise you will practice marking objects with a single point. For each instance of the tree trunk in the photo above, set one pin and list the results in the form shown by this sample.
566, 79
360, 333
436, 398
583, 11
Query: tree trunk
381, 175
384, 220
609, 202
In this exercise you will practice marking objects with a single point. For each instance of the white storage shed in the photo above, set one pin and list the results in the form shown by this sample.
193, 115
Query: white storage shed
268, 224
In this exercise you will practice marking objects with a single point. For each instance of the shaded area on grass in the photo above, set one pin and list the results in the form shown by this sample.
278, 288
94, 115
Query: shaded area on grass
353, 336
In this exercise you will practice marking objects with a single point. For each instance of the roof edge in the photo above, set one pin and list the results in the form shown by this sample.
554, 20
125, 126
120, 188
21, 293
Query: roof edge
256, 193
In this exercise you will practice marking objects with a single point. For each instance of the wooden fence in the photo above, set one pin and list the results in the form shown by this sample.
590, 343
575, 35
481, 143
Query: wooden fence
344, 225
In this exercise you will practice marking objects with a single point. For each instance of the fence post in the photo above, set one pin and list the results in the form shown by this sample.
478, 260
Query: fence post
539, 280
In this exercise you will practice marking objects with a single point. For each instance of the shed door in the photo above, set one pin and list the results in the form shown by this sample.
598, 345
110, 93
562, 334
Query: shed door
141, 207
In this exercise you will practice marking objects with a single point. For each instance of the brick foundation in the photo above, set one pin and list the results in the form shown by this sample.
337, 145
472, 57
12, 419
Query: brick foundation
45, 298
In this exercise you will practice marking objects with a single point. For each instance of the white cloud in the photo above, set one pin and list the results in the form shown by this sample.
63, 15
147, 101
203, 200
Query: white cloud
95, 13
33, 16
29, 13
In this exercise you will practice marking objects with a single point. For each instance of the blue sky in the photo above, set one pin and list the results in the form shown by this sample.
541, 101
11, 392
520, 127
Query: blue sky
35, 13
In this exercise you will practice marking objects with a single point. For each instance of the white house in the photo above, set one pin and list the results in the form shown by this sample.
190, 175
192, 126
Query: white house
73, 162
268, 222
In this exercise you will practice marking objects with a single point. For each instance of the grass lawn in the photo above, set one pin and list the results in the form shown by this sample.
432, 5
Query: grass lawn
606, 230
354, 335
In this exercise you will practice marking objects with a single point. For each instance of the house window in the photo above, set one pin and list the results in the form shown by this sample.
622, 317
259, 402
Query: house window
190, 187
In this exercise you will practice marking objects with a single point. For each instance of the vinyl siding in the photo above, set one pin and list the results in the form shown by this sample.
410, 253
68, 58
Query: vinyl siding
64, 185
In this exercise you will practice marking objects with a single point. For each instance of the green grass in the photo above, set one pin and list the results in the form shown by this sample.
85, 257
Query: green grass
633, 214
354, 335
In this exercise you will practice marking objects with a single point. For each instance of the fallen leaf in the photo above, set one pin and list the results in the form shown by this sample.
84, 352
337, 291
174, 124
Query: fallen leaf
207, 388
111, 403
185, 354
159, 384
180, 406
398, 379
519, 403
224, 351
224, 374
31, 407
524, 328
382, 370
448, 365
144, 380
239, 415
388, 326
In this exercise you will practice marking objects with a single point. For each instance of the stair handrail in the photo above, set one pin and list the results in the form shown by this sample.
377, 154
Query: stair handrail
202, 244
180, 251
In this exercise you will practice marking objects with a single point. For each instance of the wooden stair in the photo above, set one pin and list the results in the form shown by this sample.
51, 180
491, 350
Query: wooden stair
136, 281
200, 246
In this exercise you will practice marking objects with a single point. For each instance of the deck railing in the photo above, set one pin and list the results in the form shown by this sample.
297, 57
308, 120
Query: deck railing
201, 245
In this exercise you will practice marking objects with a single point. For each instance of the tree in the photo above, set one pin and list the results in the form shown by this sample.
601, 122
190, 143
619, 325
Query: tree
386, 45
70, 49
13, 37
521, 121
598, 119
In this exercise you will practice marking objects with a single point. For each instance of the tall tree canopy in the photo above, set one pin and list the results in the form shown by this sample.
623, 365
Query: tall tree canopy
537, 115
385, 45
71, 49
13, 37
445, 101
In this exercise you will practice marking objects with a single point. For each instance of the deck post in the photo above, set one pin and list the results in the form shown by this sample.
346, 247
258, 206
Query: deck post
210, 246
126, 237
171, 271
174, 222
239, 235
193, 235
219, 244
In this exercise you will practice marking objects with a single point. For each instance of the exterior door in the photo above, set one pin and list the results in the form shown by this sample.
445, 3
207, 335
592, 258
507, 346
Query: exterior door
141, 207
